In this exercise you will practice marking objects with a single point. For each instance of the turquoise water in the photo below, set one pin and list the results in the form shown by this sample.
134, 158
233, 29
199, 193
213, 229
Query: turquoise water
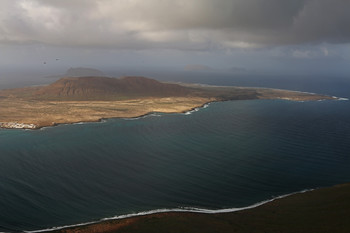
230, 154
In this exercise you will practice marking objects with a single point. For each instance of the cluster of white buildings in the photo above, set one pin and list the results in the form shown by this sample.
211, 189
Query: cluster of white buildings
16, 125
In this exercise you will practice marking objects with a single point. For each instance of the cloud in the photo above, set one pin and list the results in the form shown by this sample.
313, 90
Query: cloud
197, 67
177, 24
237, 69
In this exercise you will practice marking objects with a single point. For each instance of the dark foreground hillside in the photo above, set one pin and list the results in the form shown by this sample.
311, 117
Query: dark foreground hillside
320, 211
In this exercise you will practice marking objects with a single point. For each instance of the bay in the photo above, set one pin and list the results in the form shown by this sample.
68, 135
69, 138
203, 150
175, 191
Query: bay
230, 154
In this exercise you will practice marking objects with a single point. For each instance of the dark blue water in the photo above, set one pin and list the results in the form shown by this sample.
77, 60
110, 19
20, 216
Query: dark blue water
231, 154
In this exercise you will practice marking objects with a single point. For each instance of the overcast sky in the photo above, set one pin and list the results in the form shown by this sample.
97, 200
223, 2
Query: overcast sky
291, 36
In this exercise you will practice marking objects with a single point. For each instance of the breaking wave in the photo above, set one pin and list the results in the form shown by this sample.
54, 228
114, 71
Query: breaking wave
171, 210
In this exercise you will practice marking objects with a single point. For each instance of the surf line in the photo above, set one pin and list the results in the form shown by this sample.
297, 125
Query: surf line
196, 109
172, 210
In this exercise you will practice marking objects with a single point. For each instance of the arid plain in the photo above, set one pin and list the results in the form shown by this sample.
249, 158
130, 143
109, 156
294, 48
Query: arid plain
90, 99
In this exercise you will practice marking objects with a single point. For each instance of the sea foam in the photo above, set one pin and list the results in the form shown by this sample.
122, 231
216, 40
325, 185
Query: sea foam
171, 210
196, 109
153, 114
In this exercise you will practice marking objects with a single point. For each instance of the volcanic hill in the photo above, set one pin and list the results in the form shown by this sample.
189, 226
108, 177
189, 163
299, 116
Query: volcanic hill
101, 88
86, 99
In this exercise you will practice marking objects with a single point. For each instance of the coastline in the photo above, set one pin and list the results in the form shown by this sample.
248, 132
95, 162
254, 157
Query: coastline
39, 127
172, 210
107, 110
203, 104
46, 106
284, 203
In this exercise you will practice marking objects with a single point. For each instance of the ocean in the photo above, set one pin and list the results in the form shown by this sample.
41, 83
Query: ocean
226, 155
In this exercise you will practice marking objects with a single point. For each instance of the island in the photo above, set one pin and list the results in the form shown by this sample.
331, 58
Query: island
93, 98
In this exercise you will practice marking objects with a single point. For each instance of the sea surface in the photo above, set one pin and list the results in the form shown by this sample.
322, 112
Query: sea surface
227, 155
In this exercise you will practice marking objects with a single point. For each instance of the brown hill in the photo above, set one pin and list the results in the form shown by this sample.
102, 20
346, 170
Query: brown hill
104, 88
107, 88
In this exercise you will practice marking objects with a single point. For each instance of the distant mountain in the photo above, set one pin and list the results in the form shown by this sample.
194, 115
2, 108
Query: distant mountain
104, 88
108, 88
197, 67
237, 69
81, 72
78, 72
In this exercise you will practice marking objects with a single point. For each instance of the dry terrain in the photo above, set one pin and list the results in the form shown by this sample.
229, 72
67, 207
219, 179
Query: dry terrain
48, 113
85, 99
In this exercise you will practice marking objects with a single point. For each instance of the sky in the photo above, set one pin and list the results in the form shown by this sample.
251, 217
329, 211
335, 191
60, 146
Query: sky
233, 36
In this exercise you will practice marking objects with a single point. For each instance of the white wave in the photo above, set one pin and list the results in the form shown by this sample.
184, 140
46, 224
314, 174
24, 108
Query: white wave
132, 118
62, 227
74, 123
86, 122
196, 109
180, 209
340, 98
206, 105
191, 111
46, 127
154, 114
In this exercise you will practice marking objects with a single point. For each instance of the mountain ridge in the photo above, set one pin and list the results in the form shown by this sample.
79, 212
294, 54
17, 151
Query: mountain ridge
101, 87
90, 99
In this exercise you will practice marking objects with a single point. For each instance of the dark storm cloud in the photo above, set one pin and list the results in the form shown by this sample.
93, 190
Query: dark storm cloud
323, 20
179, 24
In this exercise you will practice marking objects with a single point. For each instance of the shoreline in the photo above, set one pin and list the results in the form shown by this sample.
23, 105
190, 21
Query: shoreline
323, 209
47, 106
40, 127
179, 210
32, 126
